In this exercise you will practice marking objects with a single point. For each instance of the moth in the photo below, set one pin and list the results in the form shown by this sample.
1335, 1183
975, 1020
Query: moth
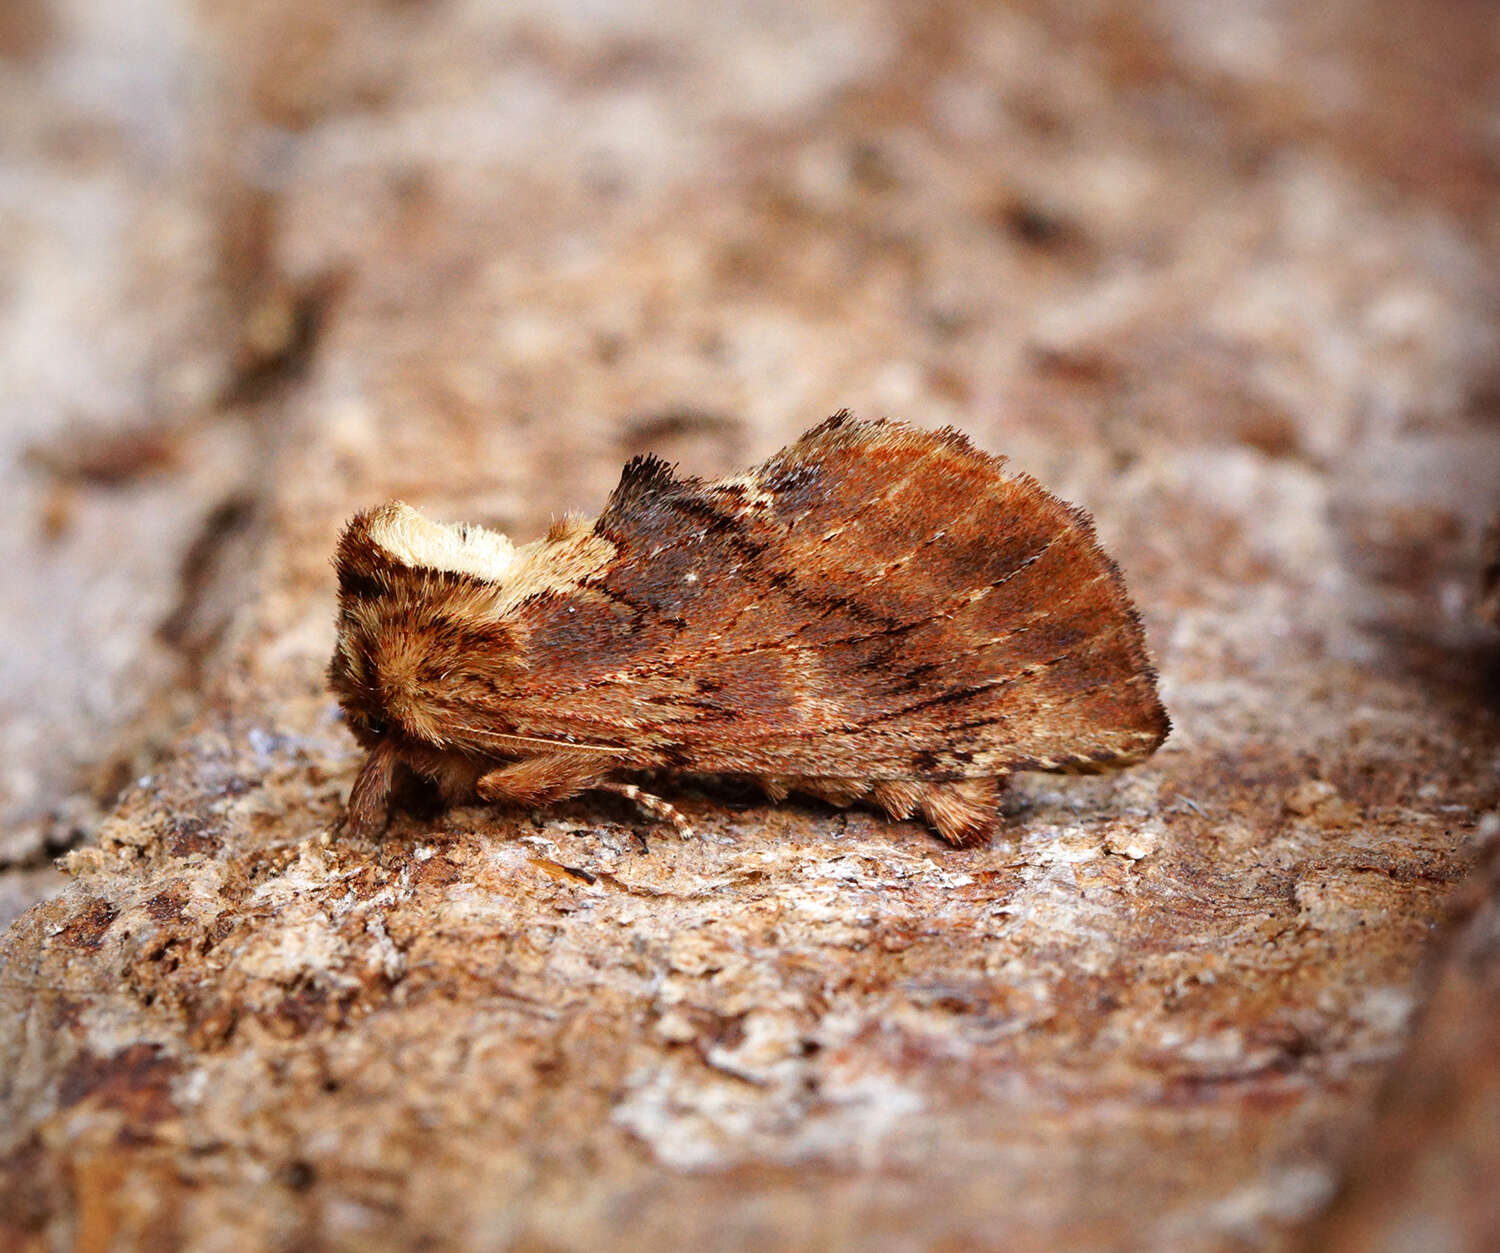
877, 613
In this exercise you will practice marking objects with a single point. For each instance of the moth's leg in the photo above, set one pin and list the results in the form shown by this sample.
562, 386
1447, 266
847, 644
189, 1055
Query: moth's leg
840, 792
835, 791
369, 800
542, 779
652, 805
965, 811
775, 786
900, 798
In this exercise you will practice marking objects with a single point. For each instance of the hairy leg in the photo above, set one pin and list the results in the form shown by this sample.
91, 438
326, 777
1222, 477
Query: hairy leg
542, 779
963, 811
369, 801
555, 777
839, 792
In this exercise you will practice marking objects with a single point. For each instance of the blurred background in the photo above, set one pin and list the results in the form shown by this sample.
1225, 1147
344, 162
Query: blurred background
1222, 271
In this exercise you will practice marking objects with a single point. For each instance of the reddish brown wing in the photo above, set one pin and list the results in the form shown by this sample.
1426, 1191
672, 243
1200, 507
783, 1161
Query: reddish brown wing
875, 601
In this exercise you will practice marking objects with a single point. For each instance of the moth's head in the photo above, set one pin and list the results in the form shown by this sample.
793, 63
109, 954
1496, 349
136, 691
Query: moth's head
417, 620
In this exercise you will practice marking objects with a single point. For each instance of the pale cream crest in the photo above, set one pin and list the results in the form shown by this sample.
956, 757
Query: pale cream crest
571, 554
417, 541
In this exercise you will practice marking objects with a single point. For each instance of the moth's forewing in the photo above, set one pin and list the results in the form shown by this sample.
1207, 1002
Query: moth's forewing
873, 602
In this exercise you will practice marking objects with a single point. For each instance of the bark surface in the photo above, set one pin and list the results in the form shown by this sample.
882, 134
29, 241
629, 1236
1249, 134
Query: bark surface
1225, 279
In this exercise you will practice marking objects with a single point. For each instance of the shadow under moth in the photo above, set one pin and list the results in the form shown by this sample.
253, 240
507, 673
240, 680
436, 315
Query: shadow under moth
877, 613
